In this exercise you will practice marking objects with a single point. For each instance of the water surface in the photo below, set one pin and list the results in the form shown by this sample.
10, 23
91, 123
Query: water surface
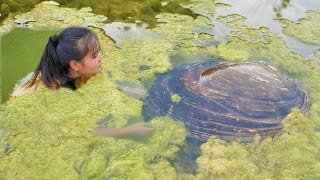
21, 50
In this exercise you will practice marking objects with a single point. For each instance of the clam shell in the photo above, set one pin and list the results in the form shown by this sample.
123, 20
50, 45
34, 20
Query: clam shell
234, 101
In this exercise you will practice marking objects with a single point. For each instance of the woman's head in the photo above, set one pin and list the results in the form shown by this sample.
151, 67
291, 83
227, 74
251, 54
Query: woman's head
71, 54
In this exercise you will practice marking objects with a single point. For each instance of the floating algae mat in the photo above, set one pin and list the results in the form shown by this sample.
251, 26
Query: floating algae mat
116, 10
49, 134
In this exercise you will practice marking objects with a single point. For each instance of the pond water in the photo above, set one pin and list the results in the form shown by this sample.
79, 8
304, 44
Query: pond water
21, 50
49, 134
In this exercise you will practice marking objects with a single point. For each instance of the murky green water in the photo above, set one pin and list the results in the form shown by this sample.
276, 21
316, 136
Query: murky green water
21, 50
49, 134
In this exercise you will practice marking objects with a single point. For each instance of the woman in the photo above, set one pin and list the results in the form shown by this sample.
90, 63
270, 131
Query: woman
68, 59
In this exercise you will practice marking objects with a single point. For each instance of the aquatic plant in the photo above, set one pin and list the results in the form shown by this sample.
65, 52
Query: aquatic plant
293, 154
306, 30
49, 134
268, 158
135, 10
39, 138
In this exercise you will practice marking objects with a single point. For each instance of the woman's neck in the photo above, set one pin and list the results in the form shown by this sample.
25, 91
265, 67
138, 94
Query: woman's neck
74, 74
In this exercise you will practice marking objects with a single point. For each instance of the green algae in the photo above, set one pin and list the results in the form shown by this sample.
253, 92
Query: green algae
175, 98
127, 158
306, 30
130, 11
184, 33
271, 48
293, 154
278, 157
10, 6
125, 64
219, 157
116, 10
181, 29
131, 52
42, 139
204, 7
58, 137
278, 54
57, 18
244, 33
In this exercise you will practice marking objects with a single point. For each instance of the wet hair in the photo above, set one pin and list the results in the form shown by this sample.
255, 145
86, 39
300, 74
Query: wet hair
71, 44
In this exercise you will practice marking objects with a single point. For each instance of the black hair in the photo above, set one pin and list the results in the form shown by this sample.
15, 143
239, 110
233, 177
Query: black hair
71, 44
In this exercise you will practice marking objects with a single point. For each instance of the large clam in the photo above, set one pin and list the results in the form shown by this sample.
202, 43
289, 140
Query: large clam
234, 101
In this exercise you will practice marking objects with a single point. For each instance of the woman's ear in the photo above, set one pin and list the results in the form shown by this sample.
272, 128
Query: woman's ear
75, 65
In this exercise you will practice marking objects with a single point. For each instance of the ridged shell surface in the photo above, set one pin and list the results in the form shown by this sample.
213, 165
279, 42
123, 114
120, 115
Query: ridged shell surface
234, 101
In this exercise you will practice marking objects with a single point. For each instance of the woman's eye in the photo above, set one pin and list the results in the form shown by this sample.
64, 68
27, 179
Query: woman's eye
95, 55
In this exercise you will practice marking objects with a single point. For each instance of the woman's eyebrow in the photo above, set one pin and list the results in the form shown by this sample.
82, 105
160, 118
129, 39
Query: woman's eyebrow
95, 52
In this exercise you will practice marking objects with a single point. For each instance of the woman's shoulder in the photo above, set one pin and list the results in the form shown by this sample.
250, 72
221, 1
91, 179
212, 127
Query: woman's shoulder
21, 87
22, 90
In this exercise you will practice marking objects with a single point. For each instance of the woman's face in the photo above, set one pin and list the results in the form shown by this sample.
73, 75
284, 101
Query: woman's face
91, 63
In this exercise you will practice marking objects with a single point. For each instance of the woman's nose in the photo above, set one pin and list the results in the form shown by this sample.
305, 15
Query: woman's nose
100, 56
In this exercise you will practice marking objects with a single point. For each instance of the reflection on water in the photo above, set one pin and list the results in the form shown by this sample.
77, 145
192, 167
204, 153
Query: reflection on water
115, 10
266, 13
263, 12
124, 32
306, 50
294, 10
259, 13
284, 5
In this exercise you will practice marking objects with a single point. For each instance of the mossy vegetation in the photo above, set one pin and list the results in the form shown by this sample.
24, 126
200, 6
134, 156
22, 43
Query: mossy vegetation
136, 10
49, 134
306, 30
175, 98
293, 154
50, 140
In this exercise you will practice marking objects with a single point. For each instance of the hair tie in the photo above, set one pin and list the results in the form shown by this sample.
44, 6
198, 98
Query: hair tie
54, 39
